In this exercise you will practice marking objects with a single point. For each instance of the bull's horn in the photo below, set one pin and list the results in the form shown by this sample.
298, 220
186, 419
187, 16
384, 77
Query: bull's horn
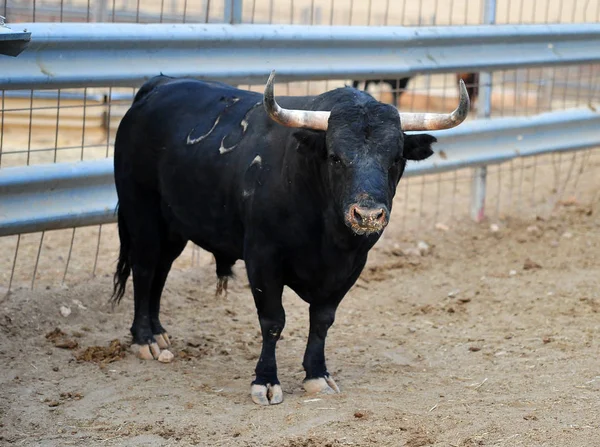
438, 121
307, 119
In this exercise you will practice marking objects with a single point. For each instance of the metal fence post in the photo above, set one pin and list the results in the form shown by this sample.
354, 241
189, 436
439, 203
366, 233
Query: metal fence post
233, 11
484, 107
100, 13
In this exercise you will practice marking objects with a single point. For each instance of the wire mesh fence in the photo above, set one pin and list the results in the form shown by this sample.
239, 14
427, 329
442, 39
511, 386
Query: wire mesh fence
317, 12
49, 126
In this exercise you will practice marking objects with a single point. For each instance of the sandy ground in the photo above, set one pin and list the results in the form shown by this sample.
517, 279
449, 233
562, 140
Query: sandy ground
487, 338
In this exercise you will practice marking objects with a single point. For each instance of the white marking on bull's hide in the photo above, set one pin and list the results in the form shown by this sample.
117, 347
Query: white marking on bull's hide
223, 149
249, 190
257, 161
243, 124
191, 141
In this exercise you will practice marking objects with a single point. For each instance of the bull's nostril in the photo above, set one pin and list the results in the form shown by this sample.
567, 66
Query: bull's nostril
366, 220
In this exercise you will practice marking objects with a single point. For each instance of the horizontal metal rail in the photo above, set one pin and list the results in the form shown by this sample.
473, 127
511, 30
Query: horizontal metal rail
491, 141
50, 197
110, 55
53, 196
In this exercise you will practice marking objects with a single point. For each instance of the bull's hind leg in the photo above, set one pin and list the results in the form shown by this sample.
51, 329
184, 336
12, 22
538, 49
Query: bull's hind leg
141, 329
151, 255
171, 247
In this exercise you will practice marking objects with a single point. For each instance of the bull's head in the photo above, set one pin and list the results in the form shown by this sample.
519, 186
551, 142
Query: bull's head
365, 150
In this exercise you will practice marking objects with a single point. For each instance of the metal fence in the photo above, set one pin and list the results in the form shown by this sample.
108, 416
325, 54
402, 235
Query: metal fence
317, 12
68, 124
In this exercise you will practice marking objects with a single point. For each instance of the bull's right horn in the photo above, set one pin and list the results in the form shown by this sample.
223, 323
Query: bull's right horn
306, 119
438, 121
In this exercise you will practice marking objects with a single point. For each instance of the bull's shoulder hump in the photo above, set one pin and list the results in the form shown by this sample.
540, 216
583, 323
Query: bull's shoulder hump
206, 88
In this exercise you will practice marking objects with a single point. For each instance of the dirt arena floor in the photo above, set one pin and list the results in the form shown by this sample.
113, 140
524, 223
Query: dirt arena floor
481, 338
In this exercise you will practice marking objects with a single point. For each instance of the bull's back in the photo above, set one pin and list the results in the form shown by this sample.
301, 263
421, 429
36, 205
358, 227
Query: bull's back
175, 115
183, 140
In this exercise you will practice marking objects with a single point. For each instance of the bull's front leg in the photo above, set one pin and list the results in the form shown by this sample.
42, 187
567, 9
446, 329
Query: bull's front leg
267, 288
318, 379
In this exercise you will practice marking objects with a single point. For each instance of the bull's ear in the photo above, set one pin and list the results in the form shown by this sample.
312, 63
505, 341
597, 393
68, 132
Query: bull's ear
418, 147
311, 142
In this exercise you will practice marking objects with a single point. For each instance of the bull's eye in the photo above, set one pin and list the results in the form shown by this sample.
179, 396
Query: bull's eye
335, 159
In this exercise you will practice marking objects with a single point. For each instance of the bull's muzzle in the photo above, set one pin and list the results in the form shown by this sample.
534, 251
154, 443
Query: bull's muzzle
367, 220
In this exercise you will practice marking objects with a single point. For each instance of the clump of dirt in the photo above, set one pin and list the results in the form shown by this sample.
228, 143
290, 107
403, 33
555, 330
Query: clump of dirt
419, 440
55, 334
189, 354
103, 355
385, 271
60, 340
312, 442
530, 264
66, 343
67, 396
71, 396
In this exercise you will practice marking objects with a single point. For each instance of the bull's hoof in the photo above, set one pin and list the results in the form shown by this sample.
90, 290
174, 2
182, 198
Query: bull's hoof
266, 394
147, 352
162, 340
321, 385
153, 348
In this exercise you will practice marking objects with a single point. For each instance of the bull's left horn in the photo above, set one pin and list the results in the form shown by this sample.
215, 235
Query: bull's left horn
307, 119
438, 121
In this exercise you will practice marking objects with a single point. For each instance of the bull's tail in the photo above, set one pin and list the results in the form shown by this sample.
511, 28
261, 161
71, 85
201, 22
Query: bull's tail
124, 263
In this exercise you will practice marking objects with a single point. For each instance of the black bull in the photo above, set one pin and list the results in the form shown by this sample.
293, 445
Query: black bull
300, 195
